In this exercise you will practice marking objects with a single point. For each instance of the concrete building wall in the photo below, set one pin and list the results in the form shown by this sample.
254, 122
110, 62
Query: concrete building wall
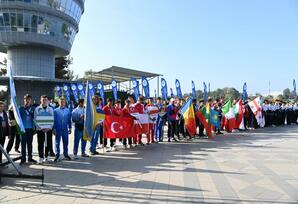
31, 61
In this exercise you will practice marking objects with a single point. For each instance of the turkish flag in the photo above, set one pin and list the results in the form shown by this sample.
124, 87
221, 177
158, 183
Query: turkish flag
118, 127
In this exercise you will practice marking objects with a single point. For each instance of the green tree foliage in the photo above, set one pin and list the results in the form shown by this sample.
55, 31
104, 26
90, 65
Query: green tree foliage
3, 67
62, 70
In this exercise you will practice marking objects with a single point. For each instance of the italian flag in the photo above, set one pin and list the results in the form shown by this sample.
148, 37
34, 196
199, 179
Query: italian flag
230, 118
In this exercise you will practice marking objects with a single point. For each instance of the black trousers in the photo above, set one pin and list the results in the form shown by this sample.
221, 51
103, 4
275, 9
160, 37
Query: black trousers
44, 151
2, 141
11, 138
127, 141
172, 127
201, 129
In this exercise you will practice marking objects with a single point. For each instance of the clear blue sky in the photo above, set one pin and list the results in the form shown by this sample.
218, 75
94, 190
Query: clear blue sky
224, 42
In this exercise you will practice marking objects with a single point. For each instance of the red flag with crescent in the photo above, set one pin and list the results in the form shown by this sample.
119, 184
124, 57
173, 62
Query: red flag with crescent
118, 127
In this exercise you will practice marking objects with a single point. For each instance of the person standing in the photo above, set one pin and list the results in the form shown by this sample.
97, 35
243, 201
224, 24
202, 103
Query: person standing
27, 116
127, 142
172, 114
13, 137
139, 108
44, 121
159, 121
96, 133
78, 119
62, 128
109, 110
152, 111
3, 127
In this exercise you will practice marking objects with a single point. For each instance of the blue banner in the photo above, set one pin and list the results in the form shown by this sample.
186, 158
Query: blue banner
209, 88
164, 89
81, 90
193, 88
101, 91
91, 89
58, 91
74, 89
135, 86
172, 93
114, 88
294, 85
145, 85
178, 89
244, 93
205, 92
66, 92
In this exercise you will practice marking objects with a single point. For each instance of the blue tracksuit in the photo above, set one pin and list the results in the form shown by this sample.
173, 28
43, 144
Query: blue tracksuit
62, 123
79, 130
27, 116
159, 125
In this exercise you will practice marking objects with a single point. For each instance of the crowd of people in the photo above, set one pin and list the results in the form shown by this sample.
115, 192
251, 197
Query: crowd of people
55, 119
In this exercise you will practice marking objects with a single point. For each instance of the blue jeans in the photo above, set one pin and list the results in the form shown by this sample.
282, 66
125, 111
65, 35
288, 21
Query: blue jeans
64, 135
78, 136
26, 142
158, 129
94, 140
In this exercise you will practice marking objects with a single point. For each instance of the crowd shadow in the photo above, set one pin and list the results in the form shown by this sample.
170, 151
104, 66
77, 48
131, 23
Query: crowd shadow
97, 176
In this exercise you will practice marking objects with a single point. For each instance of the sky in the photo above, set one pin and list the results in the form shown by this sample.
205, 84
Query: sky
224, 42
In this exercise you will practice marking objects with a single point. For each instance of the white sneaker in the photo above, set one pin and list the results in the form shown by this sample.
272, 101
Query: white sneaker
128, 146
76, 157
114, 149
109, 149
40, 161
46, 159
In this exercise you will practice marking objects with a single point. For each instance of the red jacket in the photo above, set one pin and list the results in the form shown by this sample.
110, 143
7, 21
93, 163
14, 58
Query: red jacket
107, 110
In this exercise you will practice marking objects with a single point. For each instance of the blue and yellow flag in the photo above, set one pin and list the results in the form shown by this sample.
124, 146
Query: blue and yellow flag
189, 117
92, 115
214, 120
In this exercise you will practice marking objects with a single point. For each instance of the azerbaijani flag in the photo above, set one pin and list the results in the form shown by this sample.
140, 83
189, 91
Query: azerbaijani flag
20, 125
189, 117
230, 119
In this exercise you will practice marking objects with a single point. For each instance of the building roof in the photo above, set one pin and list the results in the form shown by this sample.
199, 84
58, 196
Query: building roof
120, 74
5, 79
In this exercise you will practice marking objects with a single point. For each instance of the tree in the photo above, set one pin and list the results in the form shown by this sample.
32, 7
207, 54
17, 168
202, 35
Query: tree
3, 67
286, 93
62, 70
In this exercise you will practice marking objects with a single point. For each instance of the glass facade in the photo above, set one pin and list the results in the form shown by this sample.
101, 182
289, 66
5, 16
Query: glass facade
17, 21
69, 7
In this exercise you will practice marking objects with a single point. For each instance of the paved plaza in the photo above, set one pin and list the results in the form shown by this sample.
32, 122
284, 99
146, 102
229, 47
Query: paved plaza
259, 166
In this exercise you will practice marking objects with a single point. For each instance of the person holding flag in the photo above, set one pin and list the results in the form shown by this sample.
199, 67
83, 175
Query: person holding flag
62, 128
109, 110
139, 108
127, 142
152, 111
27, 116
97, 107
78, 119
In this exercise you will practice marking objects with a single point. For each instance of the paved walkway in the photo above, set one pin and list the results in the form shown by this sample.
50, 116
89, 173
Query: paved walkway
260, 166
